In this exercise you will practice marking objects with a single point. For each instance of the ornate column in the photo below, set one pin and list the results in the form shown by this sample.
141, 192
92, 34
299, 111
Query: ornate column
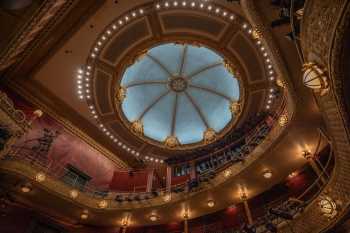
307, 155
168, 179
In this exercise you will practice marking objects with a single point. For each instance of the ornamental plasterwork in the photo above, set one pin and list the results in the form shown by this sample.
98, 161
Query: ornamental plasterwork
235, 107
209, 136
171, 142
319, 40
13, 120
21, 42
229, 67
120, 94
137, 127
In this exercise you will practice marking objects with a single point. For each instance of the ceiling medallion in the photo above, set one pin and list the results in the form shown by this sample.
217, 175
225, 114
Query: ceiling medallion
171, 142
178, 84
235, 107
209, 136
120, 94
137, 127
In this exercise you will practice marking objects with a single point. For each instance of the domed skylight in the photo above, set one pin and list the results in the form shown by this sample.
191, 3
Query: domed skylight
179, 94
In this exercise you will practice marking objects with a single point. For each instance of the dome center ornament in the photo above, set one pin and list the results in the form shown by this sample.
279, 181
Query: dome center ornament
178, 84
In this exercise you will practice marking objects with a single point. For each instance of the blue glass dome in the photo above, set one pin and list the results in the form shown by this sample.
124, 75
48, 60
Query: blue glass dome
179, 94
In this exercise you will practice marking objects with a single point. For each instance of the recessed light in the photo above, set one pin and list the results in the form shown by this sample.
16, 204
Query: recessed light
84, 216
211, 203
153, 217
26, 188
267, 174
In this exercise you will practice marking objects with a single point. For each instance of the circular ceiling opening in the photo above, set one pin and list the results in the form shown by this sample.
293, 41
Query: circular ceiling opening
179, 96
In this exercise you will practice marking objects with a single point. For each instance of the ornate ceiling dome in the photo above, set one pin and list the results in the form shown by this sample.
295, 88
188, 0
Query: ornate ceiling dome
179, 95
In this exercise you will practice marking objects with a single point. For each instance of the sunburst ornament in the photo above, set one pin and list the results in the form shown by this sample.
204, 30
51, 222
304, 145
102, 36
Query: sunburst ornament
171, 142
209, 136
137, 127
120, 94
235, 107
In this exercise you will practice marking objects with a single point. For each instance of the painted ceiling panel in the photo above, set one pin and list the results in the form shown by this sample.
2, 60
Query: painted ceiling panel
215, 109
198, 58
219, 80
188, 120
157, 121
179, 90
139, 98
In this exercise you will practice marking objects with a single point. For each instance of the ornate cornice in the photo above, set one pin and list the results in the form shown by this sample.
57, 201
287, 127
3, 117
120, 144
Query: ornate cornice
323, 31
254, 16
47, 15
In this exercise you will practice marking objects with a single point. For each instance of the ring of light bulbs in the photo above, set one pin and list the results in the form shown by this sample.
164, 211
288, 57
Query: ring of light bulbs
83, 75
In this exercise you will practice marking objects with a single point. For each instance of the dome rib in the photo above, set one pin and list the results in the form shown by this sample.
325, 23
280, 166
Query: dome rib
149, 107
197, 108
201, 70
183, 60
133, 84
173, 123
155, 60
210, 91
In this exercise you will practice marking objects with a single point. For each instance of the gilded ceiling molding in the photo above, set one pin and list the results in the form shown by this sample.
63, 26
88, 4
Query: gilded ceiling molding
14, 121
261, 28
323, 40
40, 21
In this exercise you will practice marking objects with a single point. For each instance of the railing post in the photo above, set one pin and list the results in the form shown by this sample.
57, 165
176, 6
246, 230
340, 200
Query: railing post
168, 179
307, 155
150, 180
